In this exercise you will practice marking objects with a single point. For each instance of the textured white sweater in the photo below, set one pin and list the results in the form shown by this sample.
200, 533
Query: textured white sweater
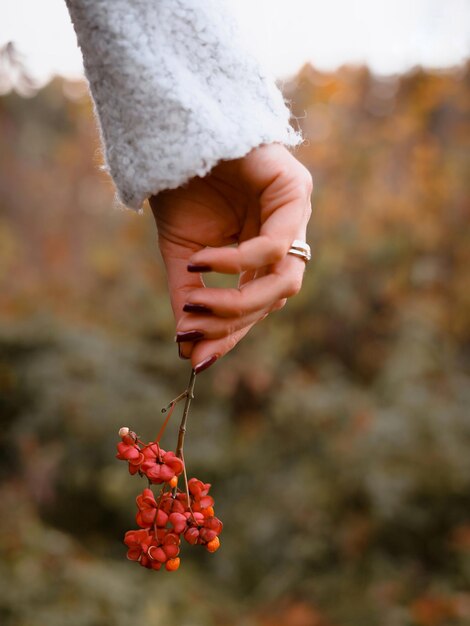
175, 90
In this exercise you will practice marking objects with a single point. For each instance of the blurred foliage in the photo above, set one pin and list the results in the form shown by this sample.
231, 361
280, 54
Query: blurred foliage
336, 435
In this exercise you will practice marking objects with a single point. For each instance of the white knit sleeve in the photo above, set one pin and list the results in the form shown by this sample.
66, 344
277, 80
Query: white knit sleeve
175, 90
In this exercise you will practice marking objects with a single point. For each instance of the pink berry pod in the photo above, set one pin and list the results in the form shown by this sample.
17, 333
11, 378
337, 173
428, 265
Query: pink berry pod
192, 535
178, 521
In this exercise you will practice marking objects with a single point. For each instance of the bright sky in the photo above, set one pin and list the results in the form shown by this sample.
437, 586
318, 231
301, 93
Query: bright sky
389, 35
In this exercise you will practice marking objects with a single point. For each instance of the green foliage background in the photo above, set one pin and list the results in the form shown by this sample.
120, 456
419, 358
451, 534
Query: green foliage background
336, 435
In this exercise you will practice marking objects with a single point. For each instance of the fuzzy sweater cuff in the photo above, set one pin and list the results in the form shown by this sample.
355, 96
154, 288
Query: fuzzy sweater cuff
175, 91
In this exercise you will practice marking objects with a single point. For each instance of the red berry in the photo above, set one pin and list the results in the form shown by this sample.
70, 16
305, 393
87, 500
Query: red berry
192, 535
157, 554
178, 521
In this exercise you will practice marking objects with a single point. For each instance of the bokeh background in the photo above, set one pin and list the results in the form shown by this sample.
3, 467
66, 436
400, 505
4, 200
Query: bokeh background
336, 436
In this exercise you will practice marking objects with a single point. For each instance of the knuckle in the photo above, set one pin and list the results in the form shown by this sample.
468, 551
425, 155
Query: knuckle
237, 305
280, 304
231, 342
305, 179
231, 330
308, 210
293, 286
238, 312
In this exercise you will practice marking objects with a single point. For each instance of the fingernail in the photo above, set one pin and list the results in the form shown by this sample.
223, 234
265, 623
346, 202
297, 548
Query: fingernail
197, 308
199, 268
180, 353
190, 335
203, 365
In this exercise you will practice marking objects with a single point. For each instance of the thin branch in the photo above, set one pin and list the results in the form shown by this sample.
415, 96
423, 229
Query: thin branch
174, 401
186, 486
165, 423
182, 429
187, 404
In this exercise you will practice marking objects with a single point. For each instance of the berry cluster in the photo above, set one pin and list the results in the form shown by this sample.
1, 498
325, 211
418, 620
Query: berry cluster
174, 514
149, 460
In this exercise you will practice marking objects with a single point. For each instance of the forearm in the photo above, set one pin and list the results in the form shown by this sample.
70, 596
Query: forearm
174, 89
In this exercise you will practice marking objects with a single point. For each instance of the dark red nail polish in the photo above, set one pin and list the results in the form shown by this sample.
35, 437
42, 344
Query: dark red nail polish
197, 308
199, 268
190, 335
203, 365
180, 353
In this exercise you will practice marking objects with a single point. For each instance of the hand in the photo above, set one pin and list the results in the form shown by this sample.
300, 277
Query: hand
261, 202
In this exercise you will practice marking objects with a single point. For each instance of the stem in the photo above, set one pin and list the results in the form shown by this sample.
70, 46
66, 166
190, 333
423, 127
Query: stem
165, 423
182, 429
187, 487
187, 404
174, 401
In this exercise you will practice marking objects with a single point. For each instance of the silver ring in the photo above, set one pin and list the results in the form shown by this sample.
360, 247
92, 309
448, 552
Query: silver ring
301, 249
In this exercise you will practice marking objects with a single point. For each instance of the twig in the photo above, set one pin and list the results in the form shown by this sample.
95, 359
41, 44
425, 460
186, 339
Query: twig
165, 423
182, 430
174, 401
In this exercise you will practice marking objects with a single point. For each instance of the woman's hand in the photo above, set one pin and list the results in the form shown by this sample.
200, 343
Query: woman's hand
262, 203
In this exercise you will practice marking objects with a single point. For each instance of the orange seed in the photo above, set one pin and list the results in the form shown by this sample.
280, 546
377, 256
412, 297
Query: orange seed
213, 545
172, 564
209, 512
